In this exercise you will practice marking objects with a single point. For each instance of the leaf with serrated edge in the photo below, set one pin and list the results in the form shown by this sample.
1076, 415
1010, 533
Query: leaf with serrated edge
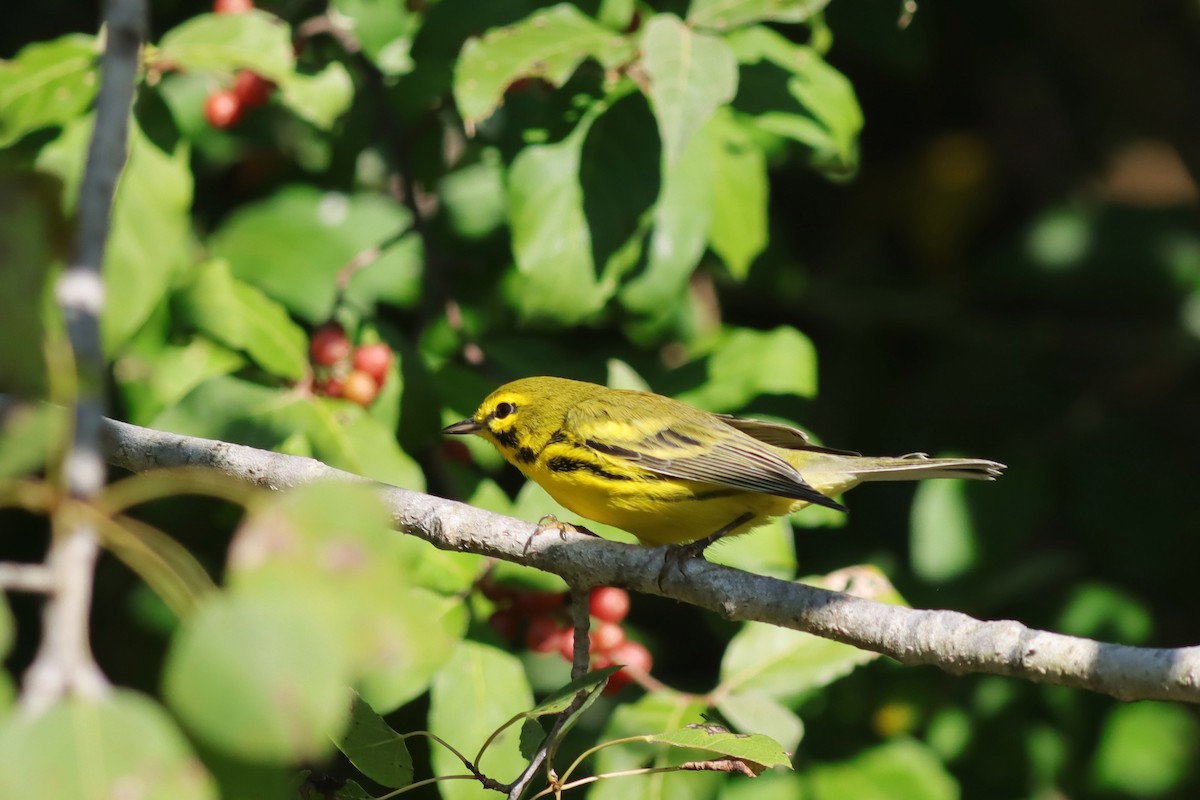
549, 45
714, 739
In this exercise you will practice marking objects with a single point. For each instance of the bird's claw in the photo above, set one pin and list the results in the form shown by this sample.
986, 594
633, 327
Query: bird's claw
549, 522
677, 555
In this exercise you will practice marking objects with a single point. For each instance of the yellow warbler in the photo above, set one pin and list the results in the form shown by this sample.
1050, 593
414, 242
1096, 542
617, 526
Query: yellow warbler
672, 474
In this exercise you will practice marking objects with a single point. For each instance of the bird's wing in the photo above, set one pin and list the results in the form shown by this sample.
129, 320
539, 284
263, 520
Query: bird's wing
779, 435
691, 445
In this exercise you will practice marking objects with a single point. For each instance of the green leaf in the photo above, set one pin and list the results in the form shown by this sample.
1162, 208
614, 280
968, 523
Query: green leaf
757, 712
384, 30
657, 711
548, 45
551, 241
479, 690
321, 98
48, 83
898, 770
150, 238
374, 748
1100, 611
775, 785
29, 435
255, 40
472, 197
769, 550
1145, 749
942, 539
747, 363
619, 172
690, 75
784, 664
557, 701
99, 749
717, 741
725, 14
623, 376
682, 217
415, 633
791, 91
7, 627
294, 244
738, 231
242, 317
333, 540
260, 676
32, 230
154, 380
374, 452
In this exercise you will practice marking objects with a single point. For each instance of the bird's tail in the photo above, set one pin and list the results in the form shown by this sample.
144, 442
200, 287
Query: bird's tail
833, 474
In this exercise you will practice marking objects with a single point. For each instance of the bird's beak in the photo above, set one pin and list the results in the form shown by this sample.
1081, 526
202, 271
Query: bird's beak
466, 426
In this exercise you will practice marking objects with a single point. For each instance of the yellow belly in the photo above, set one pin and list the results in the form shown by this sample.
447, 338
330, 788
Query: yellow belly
661, 511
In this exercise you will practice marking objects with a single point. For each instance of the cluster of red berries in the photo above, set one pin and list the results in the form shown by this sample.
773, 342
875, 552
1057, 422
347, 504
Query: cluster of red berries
343, 370
224, 108
549, 629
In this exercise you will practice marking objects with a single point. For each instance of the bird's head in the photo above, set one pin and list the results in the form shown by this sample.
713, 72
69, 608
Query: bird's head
523, 415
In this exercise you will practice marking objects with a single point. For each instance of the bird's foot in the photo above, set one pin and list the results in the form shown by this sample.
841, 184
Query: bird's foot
552, 523
678, 555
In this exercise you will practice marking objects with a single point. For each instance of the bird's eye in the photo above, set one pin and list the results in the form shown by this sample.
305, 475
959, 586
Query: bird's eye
503, 410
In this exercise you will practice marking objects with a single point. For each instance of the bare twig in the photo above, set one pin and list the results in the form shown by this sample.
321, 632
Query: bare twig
64, 662
26, 577
946, 639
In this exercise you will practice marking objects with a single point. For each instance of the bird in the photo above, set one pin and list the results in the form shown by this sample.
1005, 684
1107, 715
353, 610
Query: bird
673, 474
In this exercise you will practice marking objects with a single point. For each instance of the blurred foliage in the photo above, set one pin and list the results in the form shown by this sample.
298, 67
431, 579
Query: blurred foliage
665, 196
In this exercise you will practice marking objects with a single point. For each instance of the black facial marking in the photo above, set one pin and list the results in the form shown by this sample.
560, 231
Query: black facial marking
526, 455
507, 438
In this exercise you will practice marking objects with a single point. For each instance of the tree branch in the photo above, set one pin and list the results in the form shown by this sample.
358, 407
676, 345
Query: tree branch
64, 661
952, 641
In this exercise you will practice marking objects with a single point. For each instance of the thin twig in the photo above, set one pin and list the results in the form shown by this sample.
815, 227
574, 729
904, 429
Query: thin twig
946, 639
26, 578
64, 661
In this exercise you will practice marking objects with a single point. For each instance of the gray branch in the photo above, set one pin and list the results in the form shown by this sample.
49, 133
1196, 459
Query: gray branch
64, 661
952, 641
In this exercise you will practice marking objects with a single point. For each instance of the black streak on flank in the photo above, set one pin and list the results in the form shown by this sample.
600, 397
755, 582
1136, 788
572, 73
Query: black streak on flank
566, 464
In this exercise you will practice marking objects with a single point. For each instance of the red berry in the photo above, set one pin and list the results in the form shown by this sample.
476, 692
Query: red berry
496, 592
223, 109
232, 6
505, 622
332, 387
374, 359
543, 635
360, 388
532, 604
329, 345
616, 682
609, 603
607, 636
633, 655
252, 89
